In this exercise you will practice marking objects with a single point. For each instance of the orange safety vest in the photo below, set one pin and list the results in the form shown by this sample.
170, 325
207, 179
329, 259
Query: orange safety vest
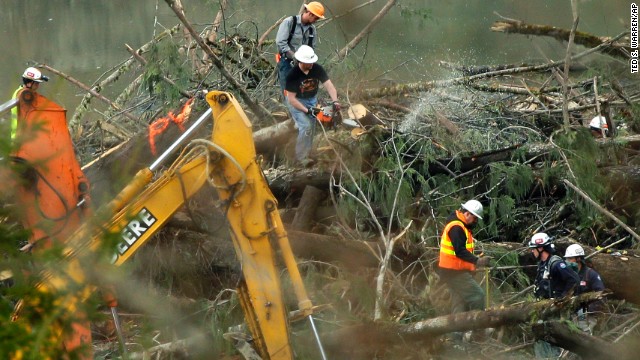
448, 258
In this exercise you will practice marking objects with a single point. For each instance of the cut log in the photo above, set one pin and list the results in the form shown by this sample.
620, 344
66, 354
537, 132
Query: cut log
363, 116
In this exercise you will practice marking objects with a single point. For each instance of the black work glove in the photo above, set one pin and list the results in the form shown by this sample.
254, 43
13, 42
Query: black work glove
313, 111
336, 107
484, 261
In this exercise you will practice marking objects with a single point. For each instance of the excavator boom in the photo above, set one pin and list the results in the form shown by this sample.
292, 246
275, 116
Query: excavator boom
227, 162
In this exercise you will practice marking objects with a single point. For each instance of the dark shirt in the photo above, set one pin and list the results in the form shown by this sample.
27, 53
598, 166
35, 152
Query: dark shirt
305, 86
590, 280
555, 278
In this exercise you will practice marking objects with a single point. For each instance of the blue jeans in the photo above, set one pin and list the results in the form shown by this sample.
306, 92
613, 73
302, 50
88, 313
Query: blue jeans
284, 67
306, 127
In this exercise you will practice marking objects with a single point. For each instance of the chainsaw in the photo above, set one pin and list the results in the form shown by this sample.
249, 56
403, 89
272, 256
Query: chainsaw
326, 117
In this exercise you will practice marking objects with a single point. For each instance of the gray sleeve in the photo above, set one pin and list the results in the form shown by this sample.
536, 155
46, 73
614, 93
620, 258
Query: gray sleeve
283, 35
314, 42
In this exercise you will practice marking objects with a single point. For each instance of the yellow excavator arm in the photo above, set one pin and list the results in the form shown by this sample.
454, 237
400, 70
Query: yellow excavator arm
228, 162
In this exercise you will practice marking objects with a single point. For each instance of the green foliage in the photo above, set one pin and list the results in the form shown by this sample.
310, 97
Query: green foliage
223, 316
507, 281
516, 179
33, 335
390, 188
500, 212
635, 118
583, 156
164, 59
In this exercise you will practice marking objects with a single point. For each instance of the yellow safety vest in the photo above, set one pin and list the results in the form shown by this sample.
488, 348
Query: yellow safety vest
14, 114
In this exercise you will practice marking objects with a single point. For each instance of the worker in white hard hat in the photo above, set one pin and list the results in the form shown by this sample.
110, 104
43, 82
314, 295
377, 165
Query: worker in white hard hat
293, 32
458, 262
31, 79
598, 126
303, 83
554, 279
590, 280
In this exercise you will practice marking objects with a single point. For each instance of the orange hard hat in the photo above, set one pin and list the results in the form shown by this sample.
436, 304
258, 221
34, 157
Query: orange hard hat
315, 8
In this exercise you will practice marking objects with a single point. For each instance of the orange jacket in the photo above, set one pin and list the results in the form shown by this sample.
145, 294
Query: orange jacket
448, 258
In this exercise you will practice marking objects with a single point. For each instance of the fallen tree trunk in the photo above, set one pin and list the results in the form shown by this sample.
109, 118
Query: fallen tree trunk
588, 347
352, 254
377, 336
303, 220
492, 317
274, 138
581, 38
619, 274
430, 85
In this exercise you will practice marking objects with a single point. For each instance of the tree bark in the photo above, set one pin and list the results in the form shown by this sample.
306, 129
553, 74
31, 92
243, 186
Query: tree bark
588, 347
307, 206
273, 138
619, 274
581, 38
377, 336
354, 255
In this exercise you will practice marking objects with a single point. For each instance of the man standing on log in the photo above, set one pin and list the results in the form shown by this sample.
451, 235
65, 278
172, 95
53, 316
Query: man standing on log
302, 87
554, 279
589, 281
457, 261
293, 32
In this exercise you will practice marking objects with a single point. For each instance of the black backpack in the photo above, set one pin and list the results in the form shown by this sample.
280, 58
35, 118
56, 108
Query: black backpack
294, 22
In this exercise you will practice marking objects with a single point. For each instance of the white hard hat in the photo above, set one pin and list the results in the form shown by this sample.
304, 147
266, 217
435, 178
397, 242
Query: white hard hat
306, 55
539, 240
574, 250
599, 122
474, 207
34, 74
